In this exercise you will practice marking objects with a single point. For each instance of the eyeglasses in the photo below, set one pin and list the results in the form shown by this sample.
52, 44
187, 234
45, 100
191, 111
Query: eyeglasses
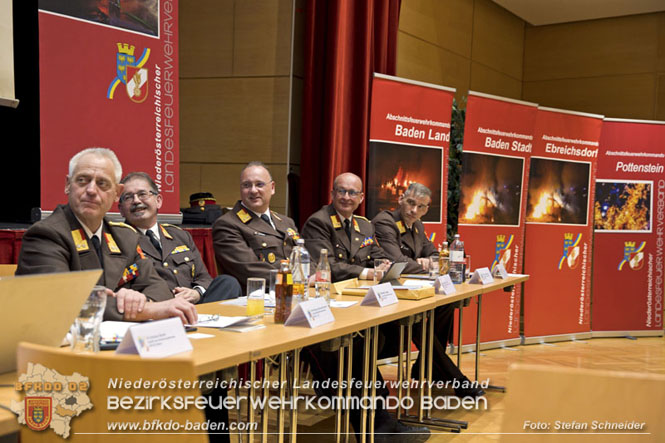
142, 195
351, 193
413, 203
258, 185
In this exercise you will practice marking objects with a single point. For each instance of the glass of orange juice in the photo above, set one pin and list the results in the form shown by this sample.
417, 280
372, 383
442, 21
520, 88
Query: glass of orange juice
256, 288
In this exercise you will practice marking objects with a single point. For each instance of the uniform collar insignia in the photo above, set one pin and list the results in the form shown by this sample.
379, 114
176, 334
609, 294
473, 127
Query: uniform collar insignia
400, 226
243, 215
335, 222
166, 233
355, 225
110, 242
274, 214
181, 248
78, 235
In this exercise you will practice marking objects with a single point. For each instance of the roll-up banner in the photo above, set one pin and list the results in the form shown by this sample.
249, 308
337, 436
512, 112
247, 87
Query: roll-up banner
629, 226
498, 139
108, 74
409, 137
559, 229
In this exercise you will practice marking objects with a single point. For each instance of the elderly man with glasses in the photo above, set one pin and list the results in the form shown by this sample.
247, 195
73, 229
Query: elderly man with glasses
78, 237
348, 238
250, 240
172, 250
352, 249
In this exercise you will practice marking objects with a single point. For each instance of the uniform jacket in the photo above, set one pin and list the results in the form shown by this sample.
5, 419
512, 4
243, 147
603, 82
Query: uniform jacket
179, 263
400, 243
246, 246
347, 258
59, 244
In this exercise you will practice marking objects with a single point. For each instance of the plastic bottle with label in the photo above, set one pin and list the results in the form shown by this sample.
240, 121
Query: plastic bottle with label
300, 263
457, 260
322, 279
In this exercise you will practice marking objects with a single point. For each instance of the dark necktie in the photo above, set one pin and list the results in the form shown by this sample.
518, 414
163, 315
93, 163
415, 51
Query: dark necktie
266, 219
347, 228
153, 239
98, 249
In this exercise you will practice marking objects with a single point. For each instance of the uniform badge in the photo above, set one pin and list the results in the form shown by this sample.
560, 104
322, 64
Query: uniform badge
335, 222
129, 274
110, 242
165, 233
274, 214
38, 412
181, 248
139, 251
368, 241
243, 216
271, 258
400, 226
355, 225
293, 233
79, 240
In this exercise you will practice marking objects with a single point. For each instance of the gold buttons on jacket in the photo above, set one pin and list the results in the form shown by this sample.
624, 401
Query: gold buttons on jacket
264, 244
186, 258
166, 265
175, 271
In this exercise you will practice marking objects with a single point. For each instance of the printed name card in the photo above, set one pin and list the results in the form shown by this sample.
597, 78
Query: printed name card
155, 339
315, 312
481, 276
500, 272
382, 294
444, 285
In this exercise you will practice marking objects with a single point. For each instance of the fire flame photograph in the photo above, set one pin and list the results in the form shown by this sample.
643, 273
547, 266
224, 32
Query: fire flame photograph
622, 206
491, 189
558, 191
134, 15
393, 167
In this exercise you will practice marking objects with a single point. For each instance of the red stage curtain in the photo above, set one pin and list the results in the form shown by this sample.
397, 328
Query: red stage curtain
345, 42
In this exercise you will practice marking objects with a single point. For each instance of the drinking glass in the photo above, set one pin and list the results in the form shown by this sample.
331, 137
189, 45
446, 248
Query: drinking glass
256, 289
85, 330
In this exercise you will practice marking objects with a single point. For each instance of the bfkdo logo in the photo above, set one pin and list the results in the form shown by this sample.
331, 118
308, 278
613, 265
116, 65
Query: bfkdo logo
502, 251
51, 399
130, 72
571, 250
633, 255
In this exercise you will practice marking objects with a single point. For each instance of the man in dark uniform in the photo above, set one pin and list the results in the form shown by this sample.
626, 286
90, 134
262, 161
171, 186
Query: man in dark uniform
352, 249
348, 238
402, 237
172, 250
250, 240
78, 237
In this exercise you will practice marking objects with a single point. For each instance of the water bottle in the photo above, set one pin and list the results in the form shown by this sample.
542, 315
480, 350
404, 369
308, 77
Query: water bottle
299, 262
457, 260
322, 279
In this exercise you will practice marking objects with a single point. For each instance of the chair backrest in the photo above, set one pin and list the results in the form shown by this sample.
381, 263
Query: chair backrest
7, 270
105, 371
573, 397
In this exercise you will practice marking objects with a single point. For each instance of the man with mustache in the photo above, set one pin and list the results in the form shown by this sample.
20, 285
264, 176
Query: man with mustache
172, 250
77, 237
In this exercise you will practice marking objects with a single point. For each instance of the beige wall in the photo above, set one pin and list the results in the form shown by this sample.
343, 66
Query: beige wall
614, 67
235, 85
465, 44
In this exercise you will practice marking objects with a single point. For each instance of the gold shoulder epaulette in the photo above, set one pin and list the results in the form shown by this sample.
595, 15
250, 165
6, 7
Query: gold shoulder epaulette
172, 226
360, 216
122, 225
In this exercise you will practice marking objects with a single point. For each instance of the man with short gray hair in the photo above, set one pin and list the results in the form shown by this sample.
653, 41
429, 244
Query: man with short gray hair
402, 237
78, 237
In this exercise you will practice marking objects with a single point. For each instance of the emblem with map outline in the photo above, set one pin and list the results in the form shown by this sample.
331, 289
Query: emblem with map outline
52, 400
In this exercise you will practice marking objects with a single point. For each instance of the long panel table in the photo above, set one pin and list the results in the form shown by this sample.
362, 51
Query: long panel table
227, 349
